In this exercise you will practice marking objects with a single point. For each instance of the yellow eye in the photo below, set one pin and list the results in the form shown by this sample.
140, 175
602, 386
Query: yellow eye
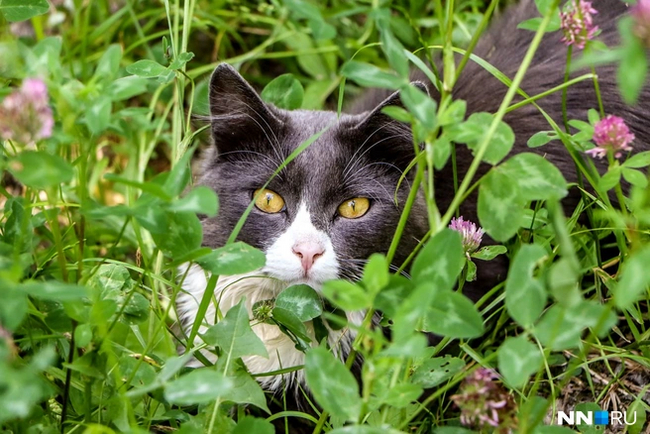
268, 201
354, 208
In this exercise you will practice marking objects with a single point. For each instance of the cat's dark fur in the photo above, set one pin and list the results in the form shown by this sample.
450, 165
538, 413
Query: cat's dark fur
364, 153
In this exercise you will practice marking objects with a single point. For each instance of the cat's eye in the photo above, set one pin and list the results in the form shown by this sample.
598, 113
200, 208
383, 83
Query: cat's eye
268, 201
354, 208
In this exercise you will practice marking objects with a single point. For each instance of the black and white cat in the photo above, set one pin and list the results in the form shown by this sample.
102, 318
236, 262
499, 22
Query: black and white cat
333, 206
318, 220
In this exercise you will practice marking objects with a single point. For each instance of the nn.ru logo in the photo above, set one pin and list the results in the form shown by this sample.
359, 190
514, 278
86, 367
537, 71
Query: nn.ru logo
594, 418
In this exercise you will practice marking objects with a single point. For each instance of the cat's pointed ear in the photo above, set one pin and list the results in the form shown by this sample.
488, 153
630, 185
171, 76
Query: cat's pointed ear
388, 139
376, 117
237, 113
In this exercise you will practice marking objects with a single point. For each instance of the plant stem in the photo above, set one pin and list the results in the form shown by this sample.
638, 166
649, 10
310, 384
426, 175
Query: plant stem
512, 90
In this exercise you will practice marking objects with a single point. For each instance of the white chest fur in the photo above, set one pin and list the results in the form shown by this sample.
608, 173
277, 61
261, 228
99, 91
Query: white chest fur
281, 349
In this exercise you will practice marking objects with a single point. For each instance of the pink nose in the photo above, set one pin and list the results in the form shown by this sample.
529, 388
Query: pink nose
308, 252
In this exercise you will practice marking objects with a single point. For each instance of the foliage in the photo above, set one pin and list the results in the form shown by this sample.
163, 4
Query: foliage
99, 216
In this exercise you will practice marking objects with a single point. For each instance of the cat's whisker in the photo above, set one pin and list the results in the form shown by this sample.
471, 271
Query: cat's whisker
277, 150
273, 166
243, 113
363, 262
384, 163
352, 160
358, 159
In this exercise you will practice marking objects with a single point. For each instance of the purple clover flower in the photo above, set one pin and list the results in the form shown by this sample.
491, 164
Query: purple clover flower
611, 134
472, 235
25, 115
484, 403
640, 12
577, 23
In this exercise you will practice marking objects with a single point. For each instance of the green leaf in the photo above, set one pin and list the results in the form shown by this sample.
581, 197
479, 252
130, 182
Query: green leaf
475, 128
200, 386
633, 68
551, 429
126, 87
113, 282
98, 116
368, 75
440, 261
375, 274
411, 312
560, 328
346, 295
13, 307
419, 104
176, 180
40, 170
231, 259
390, 298
54, 290
635, 279
436, 371
488, 253
611, 178
182, 235
635, 177
21, 10
312, 64
453, 114
291, 325
301, 300
245, 389
109, 64
453, 315
518, 360
534, 23
452, 430
181, 60
233, 334
401, 395
393, 50
525, 294
537, 178
637, 161
249, 425
24, 388
284, 91
333, 386
366, 429
439, 150
146, 68
322, 30
201, 200
500, 208
541, 138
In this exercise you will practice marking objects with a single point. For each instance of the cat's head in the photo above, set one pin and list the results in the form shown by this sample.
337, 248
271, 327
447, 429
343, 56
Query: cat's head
331, 207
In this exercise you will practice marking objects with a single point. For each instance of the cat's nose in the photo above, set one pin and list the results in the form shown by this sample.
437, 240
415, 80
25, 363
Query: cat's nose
308, 252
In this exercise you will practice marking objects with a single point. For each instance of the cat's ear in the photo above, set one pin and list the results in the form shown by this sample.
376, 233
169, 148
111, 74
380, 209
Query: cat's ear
238, 116
376, 117
388, 139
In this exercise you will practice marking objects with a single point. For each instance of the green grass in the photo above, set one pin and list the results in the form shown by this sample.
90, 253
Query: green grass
97, 219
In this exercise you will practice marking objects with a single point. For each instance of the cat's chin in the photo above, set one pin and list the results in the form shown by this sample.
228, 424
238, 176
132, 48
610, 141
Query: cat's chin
315, 284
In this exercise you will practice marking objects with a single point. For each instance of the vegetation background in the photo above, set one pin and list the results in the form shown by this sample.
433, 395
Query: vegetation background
95, 225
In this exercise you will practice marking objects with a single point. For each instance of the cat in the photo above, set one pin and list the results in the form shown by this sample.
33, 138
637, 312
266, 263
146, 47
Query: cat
303, 221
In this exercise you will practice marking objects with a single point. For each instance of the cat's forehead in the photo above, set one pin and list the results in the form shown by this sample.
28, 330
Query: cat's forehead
303, 125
